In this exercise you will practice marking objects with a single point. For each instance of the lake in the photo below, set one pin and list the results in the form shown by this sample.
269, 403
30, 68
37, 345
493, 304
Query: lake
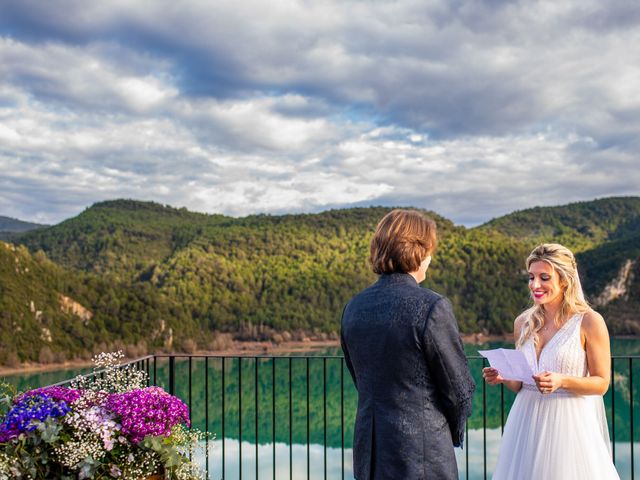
300, 445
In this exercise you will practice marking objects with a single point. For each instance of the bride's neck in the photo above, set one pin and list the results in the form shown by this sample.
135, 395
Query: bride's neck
551, 311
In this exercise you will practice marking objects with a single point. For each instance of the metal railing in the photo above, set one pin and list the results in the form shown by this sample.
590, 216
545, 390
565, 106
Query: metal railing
261, 405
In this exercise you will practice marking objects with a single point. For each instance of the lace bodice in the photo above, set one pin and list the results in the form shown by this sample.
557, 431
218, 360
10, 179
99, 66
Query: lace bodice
563, 353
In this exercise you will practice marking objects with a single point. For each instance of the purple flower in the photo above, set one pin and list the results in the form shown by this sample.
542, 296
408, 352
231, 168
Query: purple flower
148, 411
68, 395
26, 413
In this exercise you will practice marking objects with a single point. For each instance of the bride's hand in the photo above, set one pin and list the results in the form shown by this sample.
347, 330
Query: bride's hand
491, 376
548, 382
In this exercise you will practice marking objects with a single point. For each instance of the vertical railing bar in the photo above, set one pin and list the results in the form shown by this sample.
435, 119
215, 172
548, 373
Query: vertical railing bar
633, 475
484, 422
613, 412
172, 375
240, 416
290, 425
466, 436
273, 413
257, 437
206, 410
223, 412
308, 426
190, 383
155, 371
324, 411
342, 414
501, 409
190, 414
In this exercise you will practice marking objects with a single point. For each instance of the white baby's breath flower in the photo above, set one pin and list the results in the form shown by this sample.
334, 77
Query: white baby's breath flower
110, 376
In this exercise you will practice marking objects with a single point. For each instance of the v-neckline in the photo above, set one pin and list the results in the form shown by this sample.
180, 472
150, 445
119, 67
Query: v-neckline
539, 356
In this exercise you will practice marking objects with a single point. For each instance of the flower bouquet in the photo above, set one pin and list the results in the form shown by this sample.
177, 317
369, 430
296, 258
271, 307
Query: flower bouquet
110, 427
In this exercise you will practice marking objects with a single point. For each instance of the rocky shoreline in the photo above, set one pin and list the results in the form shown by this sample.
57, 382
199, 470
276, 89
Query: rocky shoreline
235, 348
242, 348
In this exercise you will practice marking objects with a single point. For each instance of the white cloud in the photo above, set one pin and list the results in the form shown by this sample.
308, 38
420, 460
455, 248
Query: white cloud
471, 109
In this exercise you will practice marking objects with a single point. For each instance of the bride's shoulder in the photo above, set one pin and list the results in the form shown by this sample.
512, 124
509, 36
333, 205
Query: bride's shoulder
592, 321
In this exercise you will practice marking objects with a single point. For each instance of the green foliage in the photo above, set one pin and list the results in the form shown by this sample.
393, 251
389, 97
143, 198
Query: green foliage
7, 392
579, 226
155, 276
31, 308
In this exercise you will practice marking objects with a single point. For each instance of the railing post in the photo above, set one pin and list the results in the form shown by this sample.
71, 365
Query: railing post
256, 413
324, 411
273, 414
342, 415
613, 412
290, 422
240, 416
631, 415
222, 411
308, 427
172, 375
484, 421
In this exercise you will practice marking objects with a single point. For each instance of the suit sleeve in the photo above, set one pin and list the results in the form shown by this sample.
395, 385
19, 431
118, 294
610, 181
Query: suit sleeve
447, 363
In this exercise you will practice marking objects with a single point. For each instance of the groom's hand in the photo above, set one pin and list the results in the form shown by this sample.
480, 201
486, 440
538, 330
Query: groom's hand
491, 376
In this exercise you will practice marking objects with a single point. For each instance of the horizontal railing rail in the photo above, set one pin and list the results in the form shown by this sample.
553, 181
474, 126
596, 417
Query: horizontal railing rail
292, 417
138, 363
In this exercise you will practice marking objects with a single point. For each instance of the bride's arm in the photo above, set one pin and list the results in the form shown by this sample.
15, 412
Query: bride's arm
491, 375
596, 341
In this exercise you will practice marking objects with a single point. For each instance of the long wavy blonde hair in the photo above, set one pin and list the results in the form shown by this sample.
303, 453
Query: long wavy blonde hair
562, 261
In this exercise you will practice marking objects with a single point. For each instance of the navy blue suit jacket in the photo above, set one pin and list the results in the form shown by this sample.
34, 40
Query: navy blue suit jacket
403, 349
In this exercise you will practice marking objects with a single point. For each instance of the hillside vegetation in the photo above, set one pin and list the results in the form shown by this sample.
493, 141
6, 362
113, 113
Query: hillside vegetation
153, 276
579, 226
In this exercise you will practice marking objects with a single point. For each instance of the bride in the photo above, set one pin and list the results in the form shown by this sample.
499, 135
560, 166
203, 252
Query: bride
557, 427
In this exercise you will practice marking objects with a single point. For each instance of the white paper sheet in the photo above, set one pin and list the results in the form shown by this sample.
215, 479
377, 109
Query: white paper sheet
511, 364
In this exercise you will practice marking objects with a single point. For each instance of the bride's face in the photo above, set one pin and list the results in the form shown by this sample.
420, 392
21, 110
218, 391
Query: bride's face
544, 284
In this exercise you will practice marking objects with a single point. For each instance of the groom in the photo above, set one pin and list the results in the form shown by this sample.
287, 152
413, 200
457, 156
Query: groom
402, 347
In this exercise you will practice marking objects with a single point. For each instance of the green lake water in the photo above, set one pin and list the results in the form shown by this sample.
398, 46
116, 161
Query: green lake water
313, 402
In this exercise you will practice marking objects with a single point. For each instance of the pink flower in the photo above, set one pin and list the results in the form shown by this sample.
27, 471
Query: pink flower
148, 411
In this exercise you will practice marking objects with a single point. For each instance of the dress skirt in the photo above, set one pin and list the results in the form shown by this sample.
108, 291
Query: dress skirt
558, 436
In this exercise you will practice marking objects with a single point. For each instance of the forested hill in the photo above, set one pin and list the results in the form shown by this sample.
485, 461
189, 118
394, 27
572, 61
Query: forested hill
141, 267
580, 226
119, 237
605, 234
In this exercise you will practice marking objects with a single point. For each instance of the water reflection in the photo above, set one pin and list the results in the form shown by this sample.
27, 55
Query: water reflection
313, 400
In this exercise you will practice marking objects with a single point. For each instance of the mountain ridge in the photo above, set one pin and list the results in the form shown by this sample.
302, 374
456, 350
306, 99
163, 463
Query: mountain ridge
146, 267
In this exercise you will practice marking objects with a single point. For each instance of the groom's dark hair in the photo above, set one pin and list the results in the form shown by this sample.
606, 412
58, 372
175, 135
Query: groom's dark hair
403, 239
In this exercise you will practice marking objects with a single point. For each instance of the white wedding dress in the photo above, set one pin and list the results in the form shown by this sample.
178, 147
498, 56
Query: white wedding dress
557, 436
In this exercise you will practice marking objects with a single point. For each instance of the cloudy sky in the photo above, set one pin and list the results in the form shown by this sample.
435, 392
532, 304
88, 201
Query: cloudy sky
469, 108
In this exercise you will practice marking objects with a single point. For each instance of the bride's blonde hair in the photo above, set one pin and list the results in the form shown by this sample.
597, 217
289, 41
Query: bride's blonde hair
562, 261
